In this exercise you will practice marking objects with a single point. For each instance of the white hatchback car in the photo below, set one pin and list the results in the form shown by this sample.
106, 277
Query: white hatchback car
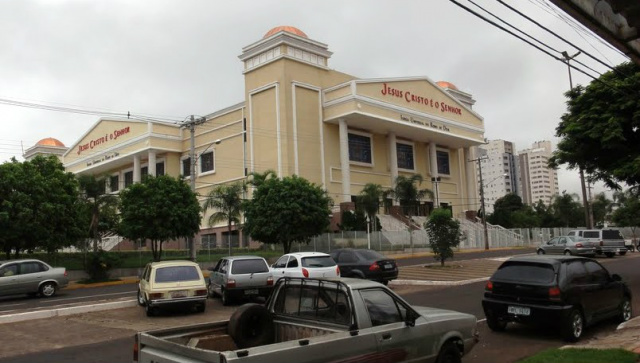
305, 264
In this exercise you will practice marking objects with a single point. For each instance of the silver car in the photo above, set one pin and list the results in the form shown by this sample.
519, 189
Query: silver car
238, 277
31, 277
568, 245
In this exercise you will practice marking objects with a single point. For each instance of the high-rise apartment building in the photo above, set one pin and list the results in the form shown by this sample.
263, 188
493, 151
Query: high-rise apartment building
537, 180
499, 171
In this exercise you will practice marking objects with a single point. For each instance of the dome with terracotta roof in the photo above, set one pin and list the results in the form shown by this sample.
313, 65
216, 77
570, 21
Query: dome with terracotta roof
50, 141
286, 28
445, 84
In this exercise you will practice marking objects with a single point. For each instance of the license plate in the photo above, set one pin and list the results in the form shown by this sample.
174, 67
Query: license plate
251, 292
178, 294
388, 266
519, 310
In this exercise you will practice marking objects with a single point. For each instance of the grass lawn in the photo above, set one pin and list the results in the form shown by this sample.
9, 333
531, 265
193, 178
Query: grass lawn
583, 355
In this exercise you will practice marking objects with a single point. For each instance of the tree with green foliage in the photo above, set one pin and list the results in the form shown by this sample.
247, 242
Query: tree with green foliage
544, 214
407, 192
503, 210
628, 212
444, 234
353, 220
258, 178
567, 210
601, 206
102, 207
159, 209
369, 200
288, 210
599, 132
227, 202
39, 206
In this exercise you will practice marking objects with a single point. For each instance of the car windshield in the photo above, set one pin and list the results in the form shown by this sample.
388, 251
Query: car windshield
256, 265
371, 255
525, 272
177, 273
318, 261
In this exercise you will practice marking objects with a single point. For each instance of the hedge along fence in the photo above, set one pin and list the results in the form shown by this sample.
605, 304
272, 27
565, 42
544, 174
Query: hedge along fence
137, 259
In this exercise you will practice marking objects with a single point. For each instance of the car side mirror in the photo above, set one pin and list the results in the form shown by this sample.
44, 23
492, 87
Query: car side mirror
616, 277
410, 320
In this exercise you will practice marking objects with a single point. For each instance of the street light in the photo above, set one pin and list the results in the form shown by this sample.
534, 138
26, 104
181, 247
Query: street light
484, 211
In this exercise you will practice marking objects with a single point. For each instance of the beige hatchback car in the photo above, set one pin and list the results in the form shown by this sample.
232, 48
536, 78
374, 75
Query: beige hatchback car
172, 283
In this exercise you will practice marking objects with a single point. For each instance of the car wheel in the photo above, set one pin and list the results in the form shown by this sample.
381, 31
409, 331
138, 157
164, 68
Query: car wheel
226, 301
48, 289
540, 252
573, 326
625, 310
567, 253
251, 325
449, 353
622, 253
496, 324
141, 300
150, 310
610, 254
211, 291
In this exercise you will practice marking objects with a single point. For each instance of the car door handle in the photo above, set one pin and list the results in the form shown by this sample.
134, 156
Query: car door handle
386, 336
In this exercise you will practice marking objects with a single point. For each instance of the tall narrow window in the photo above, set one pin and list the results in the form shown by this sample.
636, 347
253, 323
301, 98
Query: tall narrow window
160, 168
360, 148
405, 156
206, 162
128, 178
113, 183
443, 162
144, 172
186, 167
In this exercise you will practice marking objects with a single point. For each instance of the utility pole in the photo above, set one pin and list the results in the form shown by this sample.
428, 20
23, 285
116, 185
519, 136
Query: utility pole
590, 205
585, 202
191, 124
484, 212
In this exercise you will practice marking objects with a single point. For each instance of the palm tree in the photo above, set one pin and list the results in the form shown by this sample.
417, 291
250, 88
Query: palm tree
227, 200
101, 205
259, 178
406, 192
369, 199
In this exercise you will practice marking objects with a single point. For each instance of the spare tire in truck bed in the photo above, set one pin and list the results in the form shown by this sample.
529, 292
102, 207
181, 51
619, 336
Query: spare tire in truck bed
251, 325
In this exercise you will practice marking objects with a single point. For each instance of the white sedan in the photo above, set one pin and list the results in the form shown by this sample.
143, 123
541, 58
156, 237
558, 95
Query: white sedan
305, 264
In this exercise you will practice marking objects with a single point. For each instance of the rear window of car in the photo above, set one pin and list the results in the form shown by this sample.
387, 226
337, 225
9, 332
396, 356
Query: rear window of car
318, 261
371, 255
611, 234
241, 267
177, 273
591, 234
525, 272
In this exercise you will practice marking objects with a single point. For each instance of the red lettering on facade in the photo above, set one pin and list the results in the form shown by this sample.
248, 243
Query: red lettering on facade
103, 139
412, 98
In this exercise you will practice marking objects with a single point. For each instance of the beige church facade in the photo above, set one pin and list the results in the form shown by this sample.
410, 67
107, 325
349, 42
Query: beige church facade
301, 117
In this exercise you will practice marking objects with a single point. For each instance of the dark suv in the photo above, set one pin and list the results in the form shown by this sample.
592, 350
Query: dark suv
565, 292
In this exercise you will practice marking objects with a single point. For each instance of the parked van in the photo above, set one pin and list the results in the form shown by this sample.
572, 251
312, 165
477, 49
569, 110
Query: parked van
606, 241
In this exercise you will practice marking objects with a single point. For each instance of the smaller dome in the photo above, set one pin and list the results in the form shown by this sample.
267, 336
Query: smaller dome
50, 141
286, 28
445, 84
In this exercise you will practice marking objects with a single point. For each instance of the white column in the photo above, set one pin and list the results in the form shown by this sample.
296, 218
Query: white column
136, 168
152, 163
344, 161
393, 161
433, 159
470, 172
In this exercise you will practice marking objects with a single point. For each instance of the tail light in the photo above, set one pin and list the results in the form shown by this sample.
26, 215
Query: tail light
65, 273
201, 292
578, 244
156, 296
554, 293
136, 348
489, 286
374, 267
338, 271
269, 281
305, 272
231, 284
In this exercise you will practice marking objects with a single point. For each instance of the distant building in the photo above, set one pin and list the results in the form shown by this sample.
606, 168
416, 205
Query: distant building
537, 180
499, 171
48, 146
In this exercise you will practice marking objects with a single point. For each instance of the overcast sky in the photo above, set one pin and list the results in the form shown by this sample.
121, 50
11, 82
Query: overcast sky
171, 59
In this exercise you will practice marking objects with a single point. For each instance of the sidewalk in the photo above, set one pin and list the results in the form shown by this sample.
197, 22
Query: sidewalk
626, 336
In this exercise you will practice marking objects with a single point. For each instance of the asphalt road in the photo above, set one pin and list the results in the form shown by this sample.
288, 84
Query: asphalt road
514, 344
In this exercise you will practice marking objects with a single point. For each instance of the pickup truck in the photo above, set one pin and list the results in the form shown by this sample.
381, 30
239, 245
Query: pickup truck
318, 320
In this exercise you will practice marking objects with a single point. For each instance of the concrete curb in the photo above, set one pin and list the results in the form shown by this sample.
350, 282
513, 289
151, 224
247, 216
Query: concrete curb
436, 283
43, 314
126, 280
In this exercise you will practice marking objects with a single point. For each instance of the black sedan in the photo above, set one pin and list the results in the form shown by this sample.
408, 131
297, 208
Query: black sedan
566, 293
365, 264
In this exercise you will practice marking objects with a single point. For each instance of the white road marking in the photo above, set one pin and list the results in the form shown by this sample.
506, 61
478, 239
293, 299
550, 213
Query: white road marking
87, 297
